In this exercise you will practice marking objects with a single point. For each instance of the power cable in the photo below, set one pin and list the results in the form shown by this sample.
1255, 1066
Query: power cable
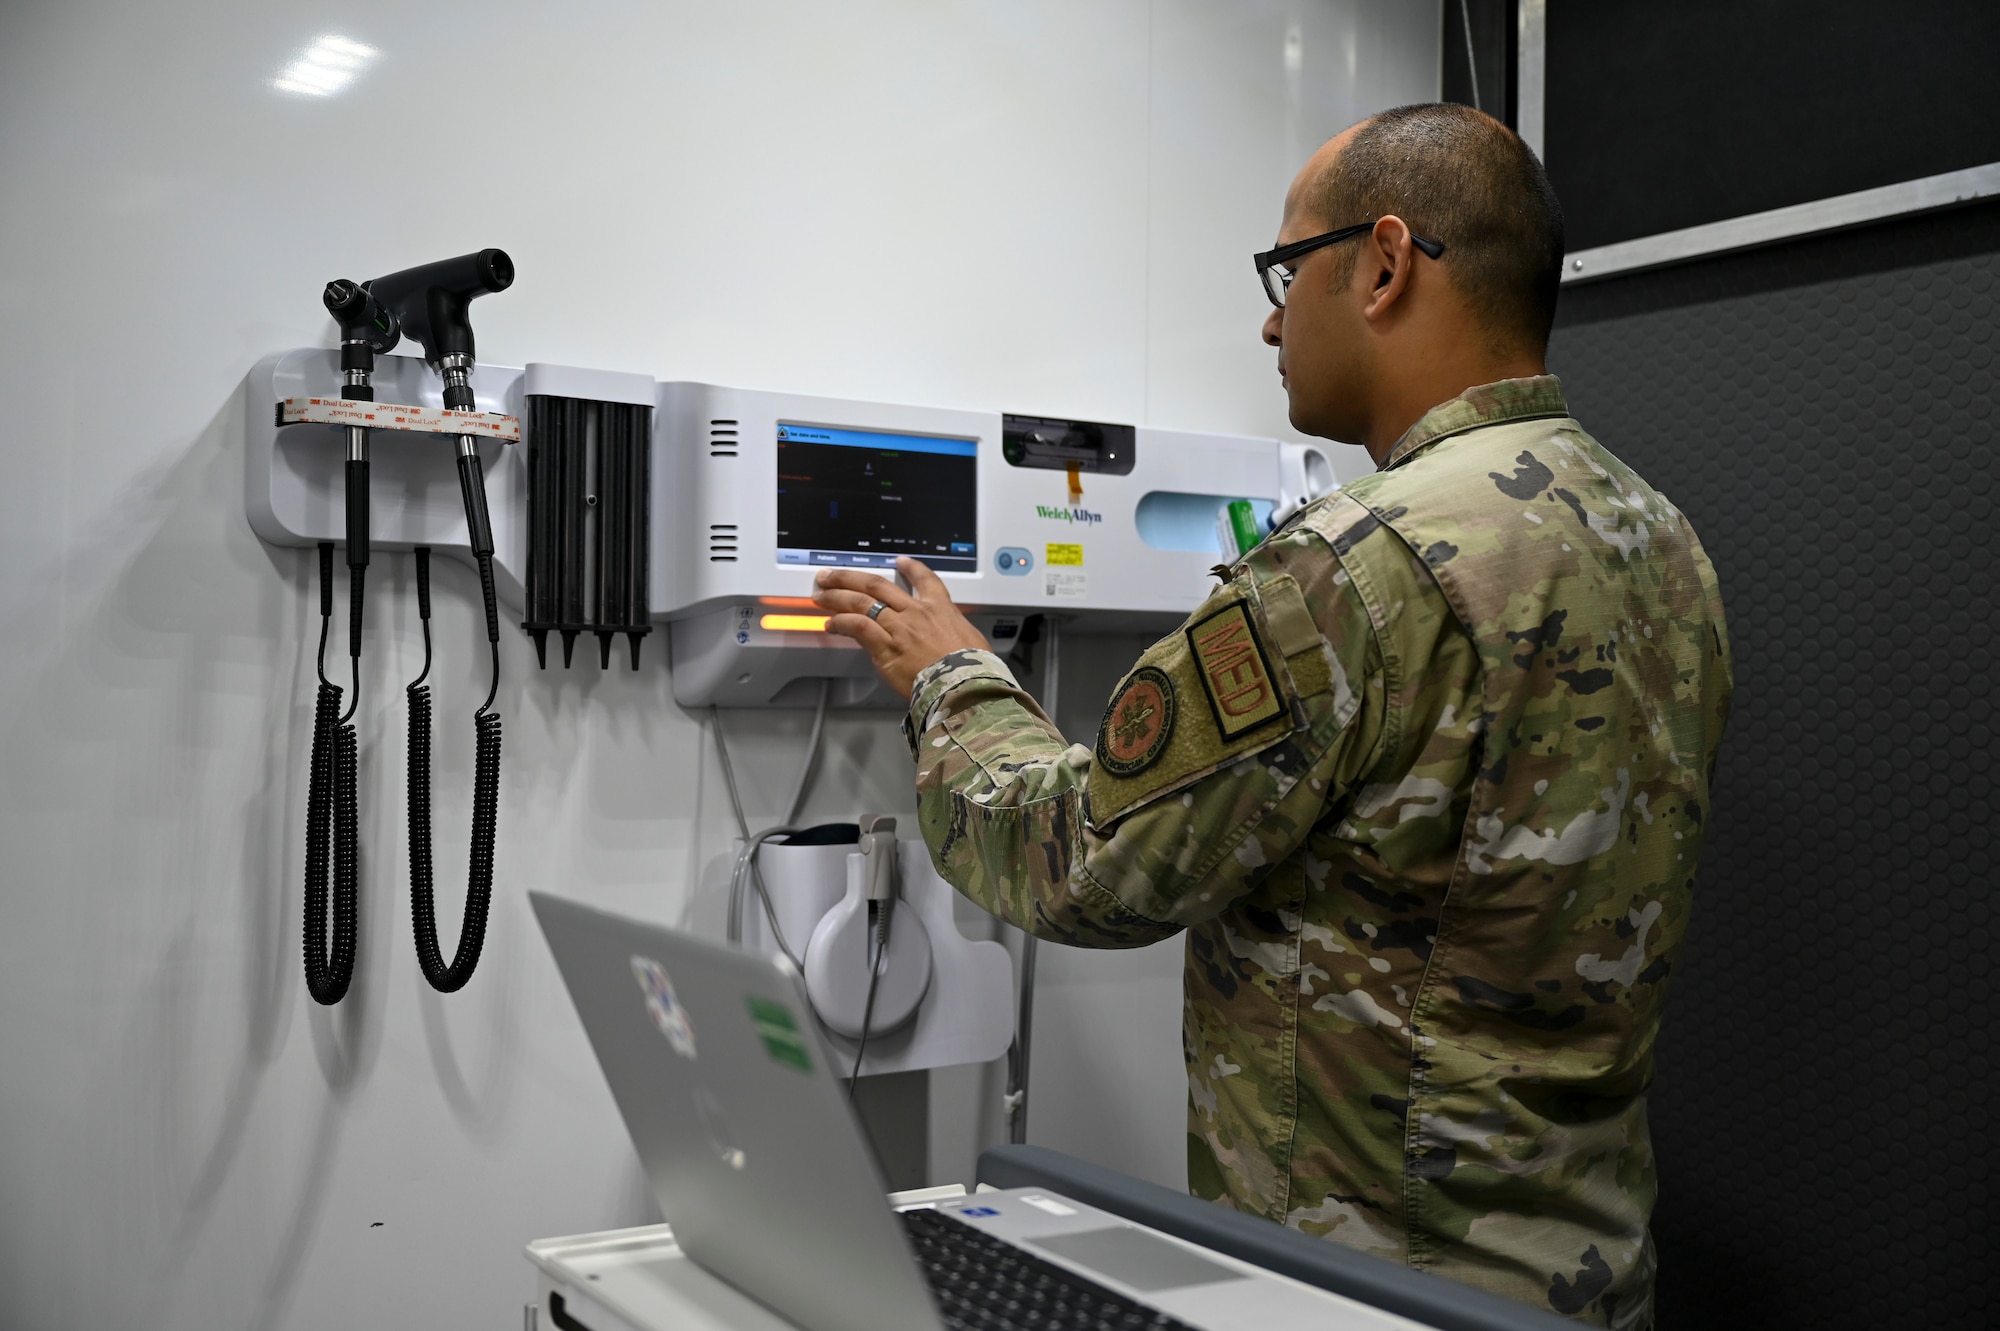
746, 865
1016, 1099
798, 799
734, 924
1471, 64
882, 918
747, 858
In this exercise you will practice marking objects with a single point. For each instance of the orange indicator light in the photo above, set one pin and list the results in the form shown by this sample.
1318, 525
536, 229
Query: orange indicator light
795, 623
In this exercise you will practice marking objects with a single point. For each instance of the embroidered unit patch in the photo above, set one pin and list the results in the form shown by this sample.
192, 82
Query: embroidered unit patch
1138, 723
1235, 671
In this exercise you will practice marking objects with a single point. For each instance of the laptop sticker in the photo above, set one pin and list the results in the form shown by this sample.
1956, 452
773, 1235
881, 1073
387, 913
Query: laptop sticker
663, 1007
780, 1034
977, 1210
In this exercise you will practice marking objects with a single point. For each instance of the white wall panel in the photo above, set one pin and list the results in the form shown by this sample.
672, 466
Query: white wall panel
1029, 205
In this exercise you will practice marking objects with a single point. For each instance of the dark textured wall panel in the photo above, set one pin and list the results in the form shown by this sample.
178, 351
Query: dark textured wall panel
1824, 412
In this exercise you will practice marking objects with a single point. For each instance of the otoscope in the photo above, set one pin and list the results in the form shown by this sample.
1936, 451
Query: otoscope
366, 328
430, 301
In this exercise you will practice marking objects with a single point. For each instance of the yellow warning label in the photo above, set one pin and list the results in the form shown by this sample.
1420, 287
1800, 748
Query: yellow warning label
1064, 554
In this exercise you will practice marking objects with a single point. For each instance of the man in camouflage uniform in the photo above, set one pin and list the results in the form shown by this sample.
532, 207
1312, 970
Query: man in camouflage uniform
1424, 780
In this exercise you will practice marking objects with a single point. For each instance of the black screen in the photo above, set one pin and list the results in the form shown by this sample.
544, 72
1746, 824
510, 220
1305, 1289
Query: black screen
861, 497
1663, 116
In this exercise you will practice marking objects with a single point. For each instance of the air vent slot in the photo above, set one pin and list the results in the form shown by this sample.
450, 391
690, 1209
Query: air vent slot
721, 542
722, 439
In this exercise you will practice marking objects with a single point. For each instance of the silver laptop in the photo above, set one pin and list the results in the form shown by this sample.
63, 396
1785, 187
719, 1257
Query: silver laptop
756, 1159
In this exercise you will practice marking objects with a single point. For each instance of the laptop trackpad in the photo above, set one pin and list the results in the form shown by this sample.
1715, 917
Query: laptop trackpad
1134, 1257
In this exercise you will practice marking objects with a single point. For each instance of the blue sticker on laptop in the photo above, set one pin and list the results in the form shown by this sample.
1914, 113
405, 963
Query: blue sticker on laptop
663, 1007
977, 1210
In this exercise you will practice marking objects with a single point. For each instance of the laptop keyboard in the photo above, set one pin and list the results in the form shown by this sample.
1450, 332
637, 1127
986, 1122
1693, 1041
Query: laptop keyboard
981, 1282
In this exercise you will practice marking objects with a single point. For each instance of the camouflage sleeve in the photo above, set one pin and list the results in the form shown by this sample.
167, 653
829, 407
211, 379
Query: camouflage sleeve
1217, 753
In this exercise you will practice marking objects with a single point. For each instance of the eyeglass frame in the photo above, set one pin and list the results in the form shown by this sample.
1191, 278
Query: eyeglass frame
1284, 254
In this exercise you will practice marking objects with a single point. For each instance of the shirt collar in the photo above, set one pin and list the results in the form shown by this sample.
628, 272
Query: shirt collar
1489, 404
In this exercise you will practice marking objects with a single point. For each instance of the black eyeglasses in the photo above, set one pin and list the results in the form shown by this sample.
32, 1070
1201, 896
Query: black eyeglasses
1273, 266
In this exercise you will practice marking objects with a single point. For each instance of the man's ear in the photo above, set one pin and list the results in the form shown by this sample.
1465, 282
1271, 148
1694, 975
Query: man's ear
1387, 251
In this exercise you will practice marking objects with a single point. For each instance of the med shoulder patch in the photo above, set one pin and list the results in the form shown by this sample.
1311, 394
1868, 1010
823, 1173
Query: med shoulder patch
1199, 698
1234, 670
1138, 723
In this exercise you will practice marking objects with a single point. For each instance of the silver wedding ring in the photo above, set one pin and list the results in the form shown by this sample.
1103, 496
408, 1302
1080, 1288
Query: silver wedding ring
875, 611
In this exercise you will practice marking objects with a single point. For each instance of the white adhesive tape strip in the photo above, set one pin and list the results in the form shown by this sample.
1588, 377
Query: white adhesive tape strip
389, 416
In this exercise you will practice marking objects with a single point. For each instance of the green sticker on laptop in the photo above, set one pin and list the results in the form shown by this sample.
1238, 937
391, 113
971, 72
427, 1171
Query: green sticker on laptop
780, 1034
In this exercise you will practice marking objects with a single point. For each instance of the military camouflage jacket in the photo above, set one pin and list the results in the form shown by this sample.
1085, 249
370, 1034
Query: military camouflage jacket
1424, 781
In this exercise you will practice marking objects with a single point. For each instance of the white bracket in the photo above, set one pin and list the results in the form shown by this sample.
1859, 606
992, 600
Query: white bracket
967, 1014
295, 455
389, 416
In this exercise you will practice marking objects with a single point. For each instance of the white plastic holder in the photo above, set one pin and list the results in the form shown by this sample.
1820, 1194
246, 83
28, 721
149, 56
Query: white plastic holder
857, 986
965, 1009
1305, 473
294, 475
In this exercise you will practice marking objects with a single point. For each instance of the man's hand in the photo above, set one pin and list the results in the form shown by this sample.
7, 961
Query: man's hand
913, 629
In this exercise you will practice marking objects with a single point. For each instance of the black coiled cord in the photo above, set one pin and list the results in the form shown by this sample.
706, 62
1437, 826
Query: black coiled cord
485, 802
331, 820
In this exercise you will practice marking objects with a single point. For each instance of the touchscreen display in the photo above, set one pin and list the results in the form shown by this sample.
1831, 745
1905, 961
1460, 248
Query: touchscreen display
862, 497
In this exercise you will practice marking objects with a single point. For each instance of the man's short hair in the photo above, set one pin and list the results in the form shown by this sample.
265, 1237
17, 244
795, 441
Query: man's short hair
1462, 178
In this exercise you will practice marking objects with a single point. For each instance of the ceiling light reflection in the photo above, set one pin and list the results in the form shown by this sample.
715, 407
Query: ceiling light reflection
324, 67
